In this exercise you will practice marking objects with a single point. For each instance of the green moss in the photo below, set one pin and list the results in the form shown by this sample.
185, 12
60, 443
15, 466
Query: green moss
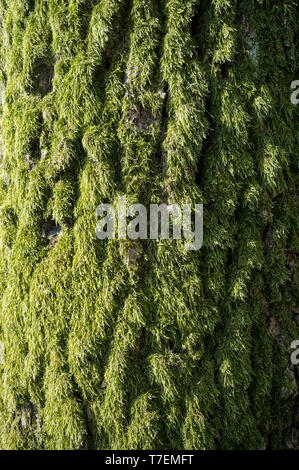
161, 101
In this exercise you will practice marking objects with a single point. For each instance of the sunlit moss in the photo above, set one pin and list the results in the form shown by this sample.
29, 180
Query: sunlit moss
173, 101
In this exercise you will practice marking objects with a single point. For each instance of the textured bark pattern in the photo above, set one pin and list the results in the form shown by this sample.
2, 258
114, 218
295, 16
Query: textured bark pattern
174, 101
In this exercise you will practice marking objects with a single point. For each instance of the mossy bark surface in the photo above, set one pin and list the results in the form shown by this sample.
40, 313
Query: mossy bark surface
162, 101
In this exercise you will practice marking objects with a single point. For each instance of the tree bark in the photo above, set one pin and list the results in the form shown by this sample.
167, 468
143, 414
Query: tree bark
122, 344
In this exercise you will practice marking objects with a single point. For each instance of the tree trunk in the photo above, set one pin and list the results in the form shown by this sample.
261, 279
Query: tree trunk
123, 344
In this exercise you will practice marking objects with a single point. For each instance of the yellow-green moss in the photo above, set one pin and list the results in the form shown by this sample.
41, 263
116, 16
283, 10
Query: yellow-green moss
180, 101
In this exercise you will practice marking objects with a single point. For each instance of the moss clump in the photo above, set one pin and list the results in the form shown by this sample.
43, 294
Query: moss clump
121, 345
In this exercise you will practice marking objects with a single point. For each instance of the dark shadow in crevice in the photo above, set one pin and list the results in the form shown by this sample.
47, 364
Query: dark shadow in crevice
206, 145
196, 27
35, 152
229, 260
51, 229
30, 6
99, 75
41, 79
